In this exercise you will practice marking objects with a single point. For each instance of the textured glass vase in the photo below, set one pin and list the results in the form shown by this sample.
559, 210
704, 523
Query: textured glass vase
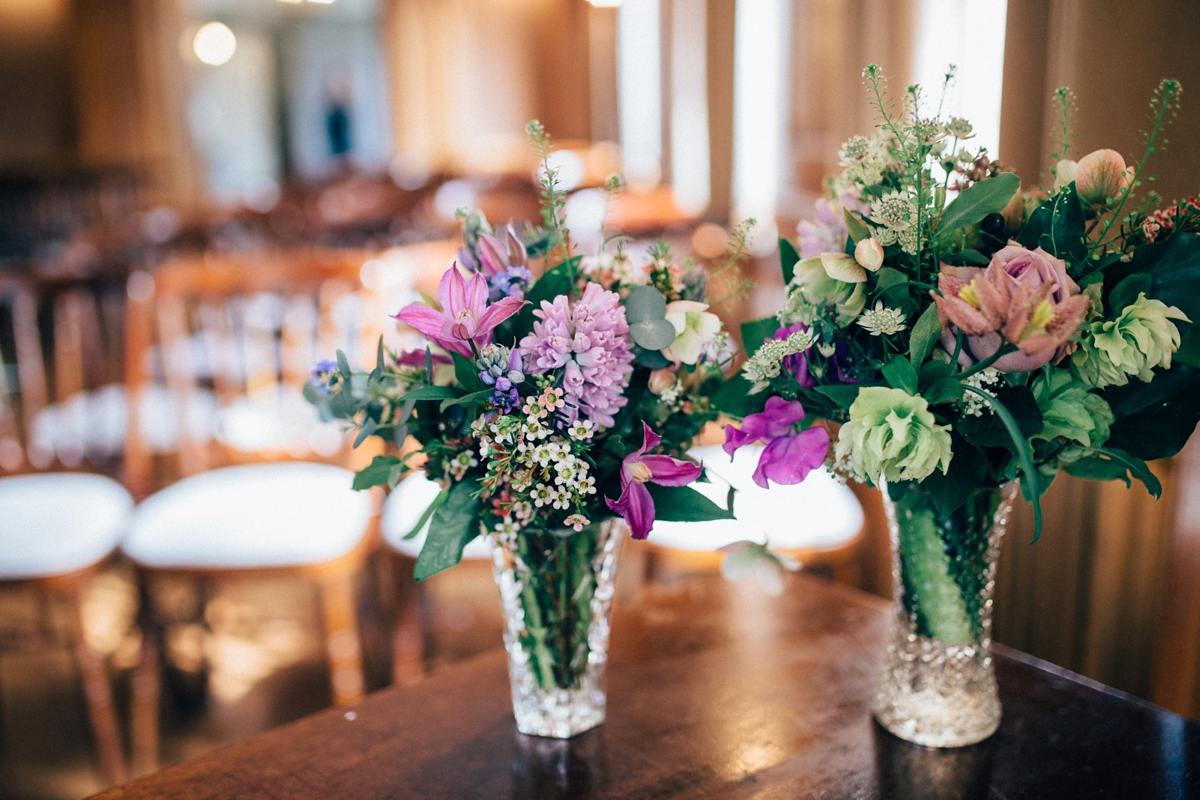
557, 590
939, 685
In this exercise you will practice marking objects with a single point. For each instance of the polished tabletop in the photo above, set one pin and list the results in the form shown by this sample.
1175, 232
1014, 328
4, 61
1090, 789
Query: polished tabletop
715, 691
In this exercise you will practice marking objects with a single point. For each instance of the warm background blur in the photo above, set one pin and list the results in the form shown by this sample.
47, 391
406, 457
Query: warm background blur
137, 136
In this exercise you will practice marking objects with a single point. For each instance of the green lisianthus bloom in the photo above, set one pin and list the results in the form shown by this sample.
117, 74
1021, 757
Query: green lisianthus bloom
812, 291
891, 433
1069, 410
1141, 338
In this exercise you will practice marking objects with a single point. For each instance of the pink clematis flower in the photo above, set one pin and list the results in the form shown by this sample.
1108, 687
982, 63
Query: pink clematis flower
635, 504
466, 322
788, 456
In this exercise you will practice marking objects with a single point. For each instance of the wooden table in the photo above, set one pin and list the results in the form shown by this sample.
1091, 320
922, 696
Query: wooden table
715, 691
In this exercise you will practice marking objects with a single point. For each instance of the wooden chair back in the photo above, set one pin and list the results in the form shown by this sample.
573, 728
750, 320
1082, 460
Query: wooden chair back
58, 340
233, 328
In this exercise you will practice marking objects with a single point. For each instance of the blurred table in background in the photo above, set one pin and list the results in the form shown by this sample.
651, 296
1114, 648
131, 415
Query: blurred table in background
715, 690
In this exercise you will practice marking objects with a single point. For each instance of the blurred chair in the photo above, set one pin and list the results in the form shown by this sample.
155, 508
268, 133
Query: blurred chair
229, 344
819, 521
57, 531
401, 513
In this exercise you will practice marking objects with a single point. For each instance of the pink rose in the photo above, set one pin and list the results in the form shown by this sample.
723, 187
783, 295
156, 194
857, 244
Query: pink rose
1024, 297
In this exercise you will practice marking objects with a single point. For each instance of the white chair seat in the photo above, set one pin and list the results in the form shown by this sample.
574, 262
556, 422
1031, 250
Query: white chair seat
818, 512
254, 516
403, 510
54, 523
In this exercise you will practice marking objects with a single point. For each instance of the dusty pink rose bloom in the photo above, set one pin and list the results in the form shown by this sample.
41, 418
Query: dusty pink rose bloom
1100, 176
1024, 297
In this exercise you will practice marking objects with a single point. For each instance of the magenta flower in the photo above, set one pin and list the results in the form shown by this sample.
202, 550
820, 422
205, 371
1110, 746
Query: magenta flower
466, 322
636, 505
788, 456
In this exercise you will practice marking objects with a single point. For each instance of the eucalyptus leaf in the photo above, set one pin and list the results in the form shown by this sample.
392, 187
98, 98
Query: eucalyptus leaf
650, 359
645, 304
367, 429
653, 334
988, 196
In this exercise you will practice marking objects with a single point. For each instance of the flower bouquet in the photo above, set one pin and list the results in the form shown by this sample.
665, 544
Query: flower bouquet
548, 409
954, 338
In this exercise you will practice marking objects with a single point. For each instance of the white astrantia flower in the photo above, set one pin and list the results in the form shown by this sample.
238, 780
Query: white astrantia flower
766, 363
894, 211
882, 321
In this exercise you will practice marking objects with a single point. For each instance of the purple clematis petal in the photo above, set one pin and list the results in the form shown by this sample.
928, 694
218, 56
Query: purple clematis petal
636, 506
667, 471
788, 459
466, 321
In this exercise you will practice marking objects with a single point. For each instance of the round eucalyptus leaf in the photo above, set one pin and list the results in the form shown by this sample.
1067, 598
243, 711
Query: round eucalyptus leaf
654, 334
651, 359
645, 303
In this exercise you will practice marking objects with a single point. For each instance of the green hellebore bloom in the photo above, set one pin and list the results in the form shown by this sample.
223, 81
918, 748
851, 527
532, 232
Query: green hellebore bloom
1141, 338
891, 433
1070, 410
812, 290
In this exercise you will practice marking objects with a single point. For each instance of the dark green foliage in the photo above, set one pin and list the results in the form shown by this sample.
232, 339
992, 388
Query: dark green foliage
454, 523
684, 504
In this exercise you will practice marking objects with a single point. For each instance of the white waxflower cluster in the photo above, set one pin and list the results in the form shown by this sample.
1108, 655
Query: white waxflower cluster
527, 459
882, 321
458, 466
973, 404
766, 363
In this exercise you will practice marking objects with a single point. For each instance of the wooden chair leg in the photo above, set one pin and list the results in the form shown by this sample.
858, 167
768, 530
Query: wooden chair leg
97, 691
147, 686
408, 636
341, 636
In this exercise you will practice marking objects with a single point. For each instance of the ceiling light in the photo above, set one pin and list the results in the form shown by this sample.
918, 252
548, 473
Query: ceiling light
214, 44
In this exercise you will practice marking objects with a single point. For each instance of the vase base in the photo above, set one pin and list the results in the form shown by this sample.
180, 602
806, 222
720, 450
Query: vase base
558, 715
934, 719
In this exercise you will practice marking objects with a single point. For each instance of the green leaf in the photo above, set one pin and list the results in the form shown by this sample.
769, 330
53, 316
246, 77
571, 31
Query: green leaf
859, 230
344, 368
843, 395
887, 276
756, 332
1188, 352
1172, 265
430, 393
735, 400
1155, 420
1126, 292
374, 474
434, 506
967, 471
944, 391
935, 371
899, 373
466, 374
1031, 482
454, 523
966, 258
652, 334
1058, 227
925, 335
989, 431
474, 398
1111, 464
988, 196
368, 428
684, 504
650, 359
645, 304
554, 282
788, 258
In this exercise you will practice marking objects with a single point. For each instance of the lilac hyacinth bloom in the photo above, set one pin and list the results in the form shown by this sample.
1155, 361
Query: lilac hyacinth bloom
588, 339
789, 456
635, 504
466, 320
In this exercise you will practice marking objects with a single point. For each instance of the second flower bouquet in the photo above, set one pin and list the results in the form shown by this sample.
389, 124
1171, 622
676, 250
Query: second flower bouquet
548, 410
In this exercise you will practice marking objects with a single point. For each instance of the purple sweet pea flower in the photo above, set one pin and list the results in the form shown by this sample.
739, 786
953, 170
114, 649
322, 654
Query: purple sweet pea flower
788, 456
467, 320
635, 504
